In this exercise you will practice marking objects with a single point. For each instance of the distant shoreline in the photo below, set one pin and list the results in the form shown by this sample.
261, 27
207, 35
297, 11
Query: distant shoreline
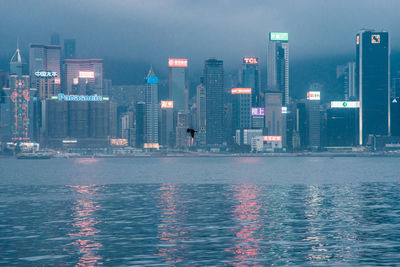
244, 155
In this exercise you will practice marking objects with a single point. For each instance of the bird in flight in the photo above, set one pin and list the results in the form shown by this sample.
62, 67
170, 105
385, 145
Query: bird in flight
191, 131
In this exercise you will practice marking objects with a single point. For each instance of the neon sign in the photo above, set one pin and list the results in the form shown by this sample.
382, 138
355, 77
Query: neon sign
313, 95
167, 104
272, 138
80, 97
86, 74
250, 60
278, 36
46, 74
152, 80
345, 104
236, 91
178, 62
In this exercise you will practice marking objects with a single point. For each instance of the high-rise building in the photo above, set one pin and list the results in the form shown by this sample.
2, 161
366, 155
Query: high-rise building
213, 75
183, 139
273, 113
69, 49
201, 114
250, 77
241, 108
177, 82
313, 119
87, 72
342, 123
166, 124
346, 74
278, 65
140, 123
44, 69
152, 108
55, 38
373, 81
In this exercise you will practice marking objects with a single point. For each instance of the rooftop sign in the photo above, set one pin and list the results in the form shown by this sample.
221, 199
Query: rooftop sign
178, 62
278, 36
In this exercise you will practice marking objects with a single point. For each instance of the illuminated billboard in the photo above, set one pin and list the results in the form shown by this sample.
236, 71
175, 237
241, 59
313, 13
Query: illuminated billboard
345, 104
269, 138
86, 74
118, 142
278, 36
46, 74
63, 97
151, 145
257, 111
178, 62
313, 95
245, 91
152, 80
167, 104
375, 38
250, 60
284, 110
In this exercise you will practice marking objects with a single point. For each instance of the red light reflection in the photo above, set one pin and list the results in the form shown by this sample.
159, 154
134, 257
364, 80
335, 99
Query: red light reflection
84, 223
247, 215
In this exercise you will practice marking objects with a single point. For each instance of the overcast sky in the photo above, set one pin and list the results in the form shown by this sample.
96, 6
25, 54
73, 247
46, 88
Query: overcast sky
228, 29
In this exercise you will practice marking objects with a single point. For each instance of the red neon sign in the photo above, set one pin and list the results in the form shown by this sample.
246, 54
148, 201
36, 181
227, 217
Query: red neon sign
250, 60
178, 62
272, 138
236, 91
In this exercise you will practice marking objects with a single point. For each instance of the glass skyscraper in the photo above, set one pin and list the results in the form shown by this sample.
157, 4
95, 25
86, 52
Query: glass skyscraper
278, 65
152, 108
373, 82
251, 78
214, 82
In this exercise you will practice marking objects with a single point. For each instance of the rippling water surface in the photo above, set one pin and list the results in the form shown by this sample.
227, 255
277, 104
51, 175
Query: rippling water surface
200, 212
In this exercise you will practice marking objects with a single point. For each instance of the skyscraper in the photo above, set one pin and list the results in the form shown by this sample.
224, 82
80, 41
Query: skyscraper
313, 119
55, 38
273, 113
44, 69
241, 107
16, 65
201, 114
177, 82
152, 106
69, 49
250, 77
214, 83
140, 122
373, 81
278, 65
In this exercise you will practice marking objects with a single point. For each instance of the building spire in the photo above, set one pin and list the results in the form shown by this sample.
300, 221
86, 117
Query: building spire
151, 72
16, 58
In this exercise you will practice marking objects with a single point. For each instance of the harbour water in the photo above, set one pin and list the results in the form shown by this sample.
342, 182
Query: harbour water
200, 212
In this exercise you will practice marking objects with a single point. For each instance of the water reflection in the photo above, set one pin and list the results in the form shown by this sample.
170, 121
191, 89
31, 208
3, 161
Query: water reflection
247, 215
84, 222
170, 231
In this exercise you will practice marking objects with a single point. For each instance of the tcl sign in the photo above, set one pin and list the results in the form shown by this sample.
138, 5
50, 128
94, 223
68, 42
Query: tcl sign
250, 60
178, 62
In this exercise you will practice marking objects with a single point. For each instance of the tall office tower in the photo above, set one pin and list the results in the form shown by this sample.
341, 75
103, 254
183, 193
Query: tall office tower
69, 49
183, 139
214, 82
273, 113
139, 123
346, 74
342, 123
278, 65
55, 38
201, 114
241, 108
44, 69
88, 72
166, 124
177, 82
313, 119
250, 77
373, 81
152, 106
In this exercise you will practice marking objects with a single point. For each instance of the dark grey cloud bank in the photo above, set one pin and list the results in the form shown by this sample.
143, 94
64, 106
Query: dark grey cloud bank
157, 29
131, 34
